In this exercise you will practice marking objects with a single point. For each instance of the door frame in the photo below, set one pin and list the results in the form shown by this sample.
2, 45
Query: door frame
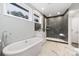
70, 26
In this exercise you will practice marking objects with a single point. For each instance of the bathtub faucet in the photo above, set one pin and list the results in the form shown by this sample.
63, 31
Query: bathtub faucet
4, 38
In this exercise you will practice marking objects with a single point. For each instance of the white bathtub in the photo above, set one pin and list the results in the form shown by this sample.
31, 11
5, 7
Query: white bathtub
29, 47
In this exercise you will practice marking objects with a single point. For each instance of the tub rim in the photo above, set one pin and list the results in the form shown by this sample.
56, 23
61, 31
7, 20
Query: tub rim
16, 52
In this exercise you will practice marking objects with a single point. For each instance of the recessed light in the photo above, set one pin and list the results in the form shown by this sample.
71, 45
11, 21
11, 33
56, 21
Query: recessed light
42, 8
58, 13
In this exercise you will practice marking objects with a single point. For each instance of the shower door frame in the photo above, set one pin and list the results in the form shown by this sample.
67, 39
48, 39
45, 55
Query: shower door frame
53, 39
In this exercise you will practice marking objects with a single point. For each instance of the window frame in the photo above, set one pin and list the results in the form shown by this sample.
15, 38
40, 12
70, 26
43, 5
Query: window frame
5, 11
36, 23
35, 15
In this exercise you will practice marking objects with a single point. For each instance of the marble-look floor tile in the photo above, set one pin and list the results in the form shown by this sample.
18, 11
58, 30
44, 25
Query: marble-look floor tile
56, 49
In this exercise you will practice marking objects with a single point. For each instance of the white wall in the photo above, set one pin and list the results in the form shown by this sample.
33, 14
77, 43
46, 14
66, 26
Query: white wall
35, 11
73, 16
19, 29
1, 8
74, 6
74, 25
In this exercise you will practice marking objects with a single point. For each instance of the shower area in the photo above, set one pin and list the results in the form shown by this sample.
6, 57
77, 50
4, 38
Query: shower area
57, 28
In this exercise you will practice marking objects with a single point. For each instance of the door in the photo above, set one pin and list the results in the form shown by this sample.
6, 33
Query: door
75, 31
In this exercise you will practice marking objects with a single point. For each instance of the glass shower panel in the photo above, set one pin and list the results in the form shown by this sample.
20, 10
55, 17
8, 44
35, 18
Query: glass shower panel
57, 28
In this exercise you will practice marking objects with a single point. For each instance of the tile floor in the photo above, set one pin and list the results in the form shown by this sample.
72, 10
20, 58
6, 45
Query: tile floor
57, 49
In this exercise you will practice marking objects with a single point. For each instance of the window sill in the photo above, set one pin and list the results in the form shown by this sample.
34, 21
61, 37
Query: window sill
20, 18
17, 17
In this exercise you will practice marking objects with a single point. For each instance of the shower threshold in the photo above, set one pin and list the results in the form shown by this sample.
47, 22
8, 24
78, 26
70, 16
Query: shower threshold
56, 39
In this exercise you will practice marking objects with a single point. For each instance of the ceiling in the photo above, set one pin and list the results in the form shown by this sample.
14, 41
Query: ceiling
51, 9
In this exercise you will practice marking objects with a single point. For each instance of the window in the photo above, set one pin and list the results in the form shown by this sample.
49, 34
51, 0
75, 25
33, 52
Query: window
17, 10
36, 18
37, 24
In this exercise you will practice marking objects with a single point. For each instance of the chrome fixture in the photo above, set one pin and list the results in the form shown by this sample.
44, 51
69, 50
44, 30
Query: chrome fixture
4, 38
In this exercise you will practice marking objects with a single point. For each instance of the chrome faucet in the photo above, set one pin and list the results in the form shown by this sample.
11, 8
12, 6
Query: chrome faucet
4, 38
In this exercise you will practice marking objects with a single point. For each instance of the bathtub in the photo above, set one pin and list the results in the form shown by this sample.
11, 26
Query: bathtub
29, 47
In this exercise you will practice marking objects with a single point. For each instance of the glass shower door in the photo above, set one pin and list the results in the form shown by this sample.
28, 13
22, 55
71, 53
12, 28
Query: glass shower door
57, 28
